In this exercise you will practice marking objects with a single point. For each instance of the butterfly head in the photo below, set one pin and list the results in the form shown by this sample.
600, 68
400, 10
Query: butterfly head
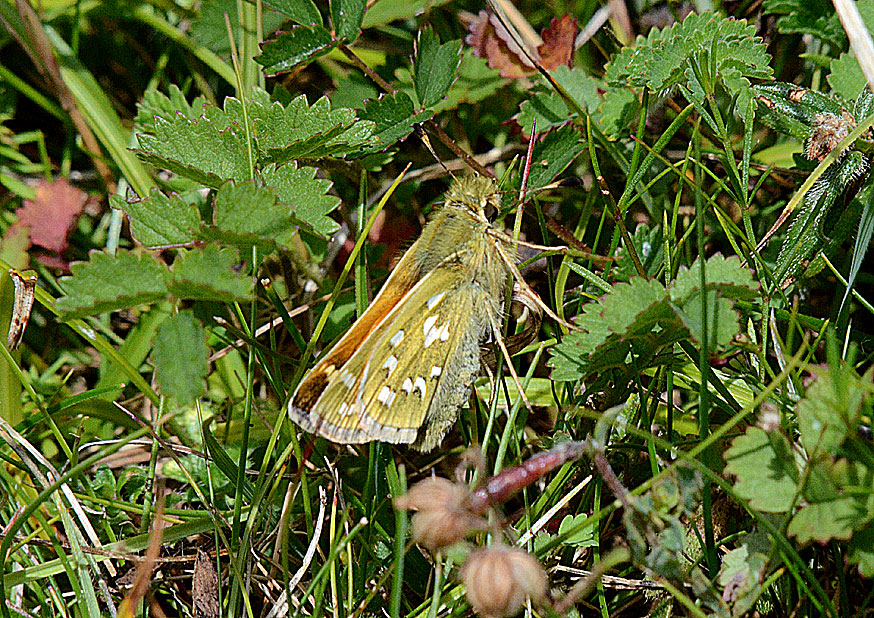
479, 195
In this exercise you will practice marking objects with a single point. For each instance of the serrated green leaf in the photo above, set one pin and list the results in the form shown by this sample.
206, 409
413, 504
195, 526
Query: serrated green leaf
394, 117
638, 305
308, 197
181, 358
159, 220
846, 77
198, 149
247, 215
815, 17
435, 67
553, 154
109, 282
303, 12
210, 29
733, 280
675, 56
293, 48
766, 470
824, 521
830, 409
476, 82
209, 273
298, 130
619, 109
722, 321
156, 103
346, 16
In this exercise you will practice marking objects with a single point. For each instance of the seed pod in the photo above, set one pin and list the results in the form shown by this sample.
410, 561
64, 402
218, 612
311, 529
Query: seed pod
498, 579
440, 520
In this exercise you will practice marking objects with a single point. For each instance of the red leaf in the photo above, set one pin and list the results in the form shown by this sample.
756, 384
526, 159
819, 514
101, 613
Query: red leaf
558, 43
52, 215
490, 40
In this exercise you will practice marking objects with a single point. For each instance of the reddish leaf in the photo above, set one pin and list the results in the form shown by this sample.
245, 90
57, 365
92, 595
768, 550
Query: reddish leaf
558, 43
490, 40
52, 215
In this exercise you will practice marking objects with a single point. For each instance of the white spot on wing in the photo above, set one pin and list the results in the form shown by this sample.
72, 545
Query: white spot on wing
385, 396
390, 363
347, 378
444, 332
407, 386
436, 370
396, 339
429, 324
435, 299
420, 384
344, 409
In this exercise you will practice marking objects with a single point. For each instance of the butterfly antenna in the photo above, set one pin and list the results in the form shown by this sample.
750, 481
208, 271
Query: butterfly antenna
423, 135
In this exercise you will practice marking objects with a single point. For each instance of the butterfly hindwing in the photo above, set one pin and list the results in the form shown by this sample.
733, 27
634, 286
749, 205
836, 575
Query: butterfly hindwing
417, 356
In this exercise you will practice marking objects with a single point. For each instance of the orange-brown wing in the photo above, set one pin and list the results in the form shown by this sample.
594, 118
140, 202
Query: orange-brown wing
328, 369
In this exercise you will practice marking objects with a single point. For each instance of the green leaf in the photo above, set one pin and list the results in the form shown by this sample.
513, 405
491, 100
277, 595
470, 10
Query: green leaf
110, 282
549, 109
386, 11
435, 67
642, 318
676, 56
181, 358
553, 154
160, 220
861, 548
346, 16
619, 109
846, 77
394, 117
197, 149
156, 103
293, 48
830, 409
582, 538
814, 17
766, 469
824, 521
303, 12
307, 196
210, 29
300, 131
247, 215
209, 273
733, 280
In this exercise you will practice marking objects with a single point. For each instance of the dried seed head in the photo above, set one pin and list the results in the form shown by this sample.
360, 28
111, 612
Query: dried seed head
498, 579
827, 131
440, 520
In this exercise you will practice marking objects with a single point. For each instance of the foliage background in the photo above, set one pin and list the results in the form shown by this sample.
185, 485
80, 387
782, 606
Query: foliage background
166, 220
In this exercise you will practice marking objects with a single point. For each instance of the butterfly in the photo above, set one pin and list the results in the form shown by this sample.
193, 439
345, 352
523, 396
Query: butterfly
408, 363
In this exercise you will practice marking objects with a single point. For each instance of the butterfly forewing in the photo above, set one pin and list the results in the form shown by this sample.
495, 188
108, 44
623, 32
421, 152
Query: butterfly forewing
416, 361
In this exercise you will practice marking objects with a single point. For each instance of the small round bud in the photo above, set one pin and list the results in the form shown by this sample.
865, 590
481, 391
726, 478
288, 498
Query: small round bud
440, 520
498, 579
